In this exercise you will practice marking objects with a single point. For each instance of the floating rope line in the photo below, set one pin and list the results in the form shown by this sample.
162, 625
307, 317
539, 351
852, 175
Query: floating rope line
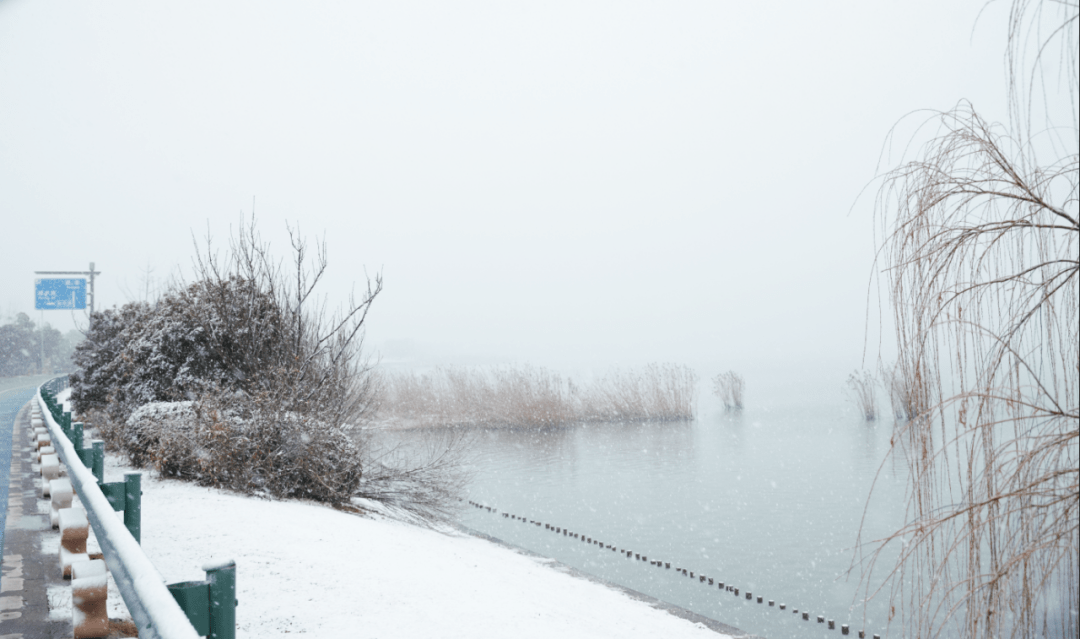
637, 556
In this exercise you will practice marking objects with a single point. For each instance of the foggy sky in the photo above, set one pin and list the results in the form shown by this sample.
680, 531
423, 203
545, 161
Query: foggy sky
562, 183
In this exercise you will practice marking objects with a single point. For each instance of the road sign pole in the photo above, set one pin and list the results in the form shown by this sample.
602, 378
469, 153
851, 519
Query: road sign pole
93, 298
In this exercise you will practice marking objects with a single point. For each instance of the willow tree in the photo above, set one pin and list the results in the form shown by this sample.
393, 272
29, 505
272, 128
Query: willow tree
981, 257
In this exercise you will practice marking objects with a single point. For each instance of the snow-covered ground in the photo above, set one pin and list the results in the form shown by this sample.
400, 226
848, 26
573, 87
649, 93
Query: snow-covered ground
307, 569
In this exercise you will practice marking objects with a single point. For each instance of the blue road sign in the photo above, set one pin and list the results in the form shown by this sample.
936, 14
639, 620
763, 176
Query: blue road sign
67, 293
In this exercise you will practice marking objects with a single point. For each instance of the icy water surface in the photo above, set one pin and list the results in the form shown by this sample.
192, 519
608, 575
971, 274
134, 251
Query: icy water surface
769, 500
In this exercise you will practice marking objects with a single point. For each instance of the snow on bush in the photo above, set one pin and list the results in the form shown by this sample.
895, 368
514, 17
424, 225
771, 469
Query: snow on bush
248, 444
144, 429
266, 381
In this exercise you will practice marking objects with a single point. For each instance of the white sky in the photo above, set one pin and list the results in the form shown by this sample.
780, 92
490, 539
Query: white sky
553, 182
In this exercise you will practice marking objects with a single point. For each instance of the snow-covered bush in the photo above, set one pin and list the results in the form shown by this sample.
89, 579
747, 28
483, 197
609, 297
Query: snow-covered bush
94, 379
146, 427
272, 382
245, 443
213, 334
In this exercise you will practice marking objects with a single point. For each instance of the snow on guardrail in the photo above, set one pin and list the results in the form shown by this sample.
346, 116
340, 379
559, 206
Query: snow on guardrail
152, 607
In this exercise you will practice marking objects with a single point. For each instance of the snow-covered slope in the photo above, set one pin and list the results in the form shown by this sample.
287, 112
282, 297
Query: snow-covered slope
309, 570
303, 568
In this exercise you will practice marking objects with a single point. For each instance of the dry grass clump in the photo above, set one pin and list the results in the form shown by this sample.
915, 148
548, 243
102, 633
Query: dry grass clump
529, 396
729, 388
861, 389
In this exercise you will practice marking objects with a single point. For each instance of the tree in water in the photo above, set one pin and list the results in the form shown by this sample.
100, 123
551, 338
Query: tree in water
981, 252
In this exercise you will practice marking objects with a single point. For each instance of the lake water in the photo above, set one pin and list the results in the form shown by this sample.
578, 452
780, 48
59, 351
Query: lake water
768, 499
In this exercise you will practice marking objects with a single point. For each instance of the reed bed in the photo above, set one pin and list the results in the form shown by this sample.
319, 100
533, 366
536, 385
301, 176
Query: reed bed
529, 396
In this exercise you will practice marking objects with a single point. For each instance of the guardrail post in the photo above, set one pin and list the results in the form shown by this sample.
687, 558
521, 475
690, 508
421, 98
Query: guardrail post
126, 496
145, 598
98, 460
222, 579
210, 605
133, 504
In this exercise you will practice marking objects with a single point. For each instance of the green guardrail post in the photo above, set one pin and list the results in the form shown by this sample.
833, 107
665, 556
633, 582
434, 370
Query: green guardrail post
194, 600
77, 436
223, 602
133, 504
98, 460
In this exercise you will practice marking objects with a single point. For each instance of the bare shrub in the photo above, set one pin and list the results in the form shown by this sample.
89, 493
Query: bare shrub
425, 475
274, 324
981, 255
729, 388
861, 389
528, 396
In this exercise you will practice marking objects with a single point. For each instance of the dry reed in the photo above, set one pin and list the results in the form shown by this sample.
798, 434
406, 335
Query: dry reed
729, 388
861, 389
902, 395
528, 396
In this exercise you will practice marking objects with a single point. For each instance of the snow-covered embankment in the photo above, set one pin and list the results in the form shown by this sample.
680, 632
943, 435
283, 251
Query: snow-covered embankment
304, 568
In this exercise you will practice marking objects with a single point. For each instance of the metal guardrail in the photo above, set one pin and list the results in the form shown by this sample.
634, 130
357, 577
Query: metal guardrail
180, 611
56, 384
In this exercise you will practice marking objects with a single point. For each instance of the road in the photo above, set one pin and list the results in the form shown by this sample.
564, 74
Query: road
14, 393
29, 570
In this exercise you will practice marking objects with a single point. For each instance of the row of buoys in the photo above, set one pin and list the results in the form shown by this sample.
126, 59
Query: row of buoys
630, 554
